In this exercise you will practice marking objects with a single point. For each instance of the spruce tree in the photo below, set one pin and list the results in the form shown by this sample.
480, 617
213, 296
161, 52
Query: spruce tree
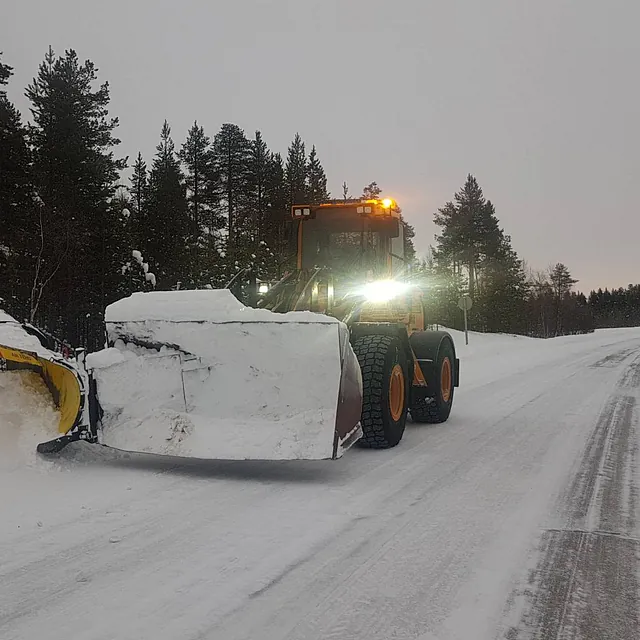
258, 175
16, 206
139, 188
251, 213
502, 291
316, 180
138, 201
278, 230
167, 224
296, 172
409, 248
231, 158
203, 194
75, 174
197, 156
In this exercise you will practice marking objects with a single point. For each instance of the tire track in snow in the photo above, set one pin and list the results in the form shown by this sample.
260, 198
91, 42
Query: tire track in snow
586, 583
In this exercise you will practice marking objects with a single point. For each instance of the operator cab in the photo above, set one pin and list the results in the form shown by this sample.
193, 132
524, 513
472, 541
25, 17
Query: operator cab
342, 246
359, 240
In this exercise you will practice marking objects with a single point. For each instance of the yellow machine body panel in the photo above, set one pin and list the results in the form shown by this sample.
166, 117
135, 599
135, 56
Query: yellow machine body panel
65, 389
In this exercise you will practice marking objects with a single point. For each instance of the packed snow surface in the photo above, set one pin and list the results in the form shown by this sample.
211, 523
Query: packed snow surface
205, 305
434, 539
13, 335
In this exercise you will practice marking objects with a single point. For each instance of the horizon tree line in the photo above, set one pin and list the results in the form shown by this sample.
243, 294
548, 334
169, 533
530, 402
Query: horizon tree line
76, 238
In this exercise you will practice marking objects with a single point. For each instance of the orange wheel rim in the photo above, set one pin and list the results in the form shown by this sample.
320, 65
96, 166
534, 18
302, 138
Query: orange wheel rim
396, 392
445, 379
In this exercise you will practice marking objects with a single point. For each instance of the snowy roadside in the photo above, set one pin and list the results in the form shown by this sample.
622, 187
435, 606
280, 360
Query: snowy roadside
299, 550
489, 357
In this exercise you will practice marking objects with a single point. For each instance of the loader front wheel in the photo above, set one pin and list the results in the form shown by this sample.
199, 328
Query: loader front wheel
385, 385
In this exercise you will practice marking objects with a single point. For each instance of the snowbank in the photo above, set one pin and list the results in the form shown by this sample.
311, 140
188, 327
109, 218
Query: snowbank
491, 356
196, 373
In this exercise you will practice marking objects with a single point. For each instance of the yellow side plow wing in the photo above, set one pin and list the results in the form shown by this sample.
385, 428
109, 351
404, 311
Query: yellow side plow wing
66, 385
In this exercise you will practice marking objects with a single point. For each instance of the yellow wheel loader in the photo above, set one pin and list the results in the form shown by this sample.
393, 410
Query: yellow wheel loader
332, 354
351, 265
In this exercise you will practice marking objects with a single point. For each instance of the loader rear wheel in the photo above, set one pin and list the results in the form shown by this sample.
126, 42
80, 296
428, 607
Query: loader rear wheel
385, 385
437, 409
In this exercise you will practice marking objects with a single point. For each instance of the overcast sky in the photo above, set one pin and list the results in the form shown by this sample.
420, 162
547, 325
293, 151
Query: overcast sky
539, 99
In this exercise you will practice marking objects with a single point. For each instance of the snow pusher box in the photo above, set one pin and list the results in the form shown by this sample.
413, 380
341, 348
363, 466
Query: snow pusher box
334, 353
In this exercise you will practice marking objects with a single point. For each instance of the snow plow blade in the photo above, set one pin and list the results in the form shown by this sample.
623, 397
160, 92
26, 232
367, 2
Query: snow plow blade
196, 374
23, 352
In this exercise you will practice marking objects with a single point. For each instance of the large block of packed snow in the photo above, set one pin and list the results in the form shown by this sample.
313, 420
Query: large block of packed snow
195, 373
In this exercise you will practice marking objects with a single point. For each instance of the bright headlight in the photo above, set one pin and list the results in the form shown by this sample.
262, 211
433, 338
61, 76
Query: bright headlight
263, 288
384, 290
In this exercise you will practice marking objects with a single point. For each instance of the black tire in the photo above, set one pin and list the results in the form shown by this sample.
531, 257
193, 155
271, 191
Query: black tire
378, 356
436, 410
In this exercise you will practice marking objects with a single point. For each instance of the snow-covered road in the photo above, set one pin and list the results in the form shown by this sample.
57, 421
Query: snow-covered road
517, 519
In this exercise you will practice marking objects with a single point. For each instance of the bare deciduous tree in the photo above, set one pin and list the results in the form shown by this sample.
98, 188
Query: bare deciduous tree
41, 278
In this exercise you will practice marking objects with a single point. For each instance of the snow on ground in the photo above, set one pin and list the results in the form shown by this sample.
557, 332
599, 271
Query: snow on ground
427, 540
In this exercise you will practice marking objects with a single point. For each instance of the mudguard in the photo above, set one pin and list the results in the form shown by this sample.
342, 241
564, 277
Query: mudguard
426, 345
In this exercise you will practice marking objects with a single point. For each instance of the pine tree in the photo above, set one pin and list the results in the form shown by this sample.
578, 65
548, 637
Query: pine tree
167, 224
75, 174
561, 284
197, 156
372, 191
203, 195
296, 171
470, 208
258, 175
16, 205
231, 158
470, 231
278, 225
472, 249
257, 250
317, 180
561, 280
